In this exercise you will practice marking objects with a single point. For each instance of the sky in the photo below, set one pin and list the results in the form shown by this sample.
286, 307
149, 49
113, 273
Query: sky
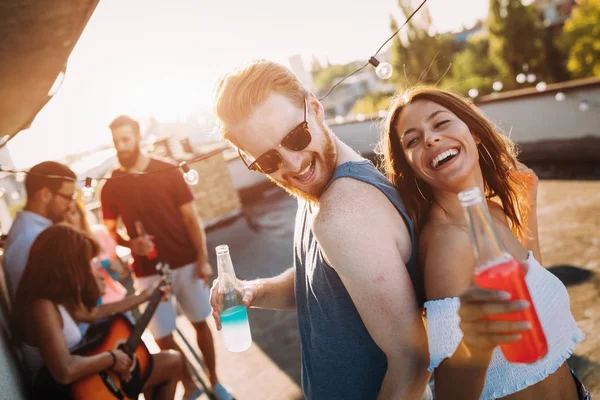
153, 57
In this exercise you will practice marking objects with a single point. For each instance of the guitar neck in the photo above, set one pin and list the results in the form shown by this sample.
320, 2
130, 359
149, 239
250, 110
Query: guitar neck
143, 320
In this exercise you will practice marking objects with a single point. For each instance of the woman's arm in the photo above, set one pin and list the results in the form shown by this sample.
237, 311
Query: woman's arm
462, 375
529, 180
47, 327
128, 303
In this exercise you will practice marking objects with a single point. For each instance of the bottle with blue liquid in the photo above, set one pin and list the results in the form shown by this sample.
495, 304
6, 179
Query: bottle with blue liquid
234, 316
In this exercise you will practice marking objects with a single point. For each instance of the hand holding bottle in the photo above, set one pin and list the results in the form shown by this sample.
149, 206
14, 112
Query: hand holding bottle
228, 298
477, 305
247, 290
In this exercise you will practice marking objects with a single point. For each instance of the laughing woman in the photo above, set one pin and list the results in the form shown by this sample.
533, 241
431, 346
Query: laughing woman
435, 145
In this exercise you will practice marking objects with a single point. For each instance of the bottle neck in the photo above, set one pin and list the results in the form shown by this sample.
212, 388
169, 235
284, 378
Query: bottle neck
485, 241
226, 273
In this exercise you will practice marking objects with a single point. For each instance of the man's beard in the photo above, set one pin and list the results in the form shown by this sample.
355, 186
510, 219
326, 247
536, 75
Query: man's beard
127, 159
329, 163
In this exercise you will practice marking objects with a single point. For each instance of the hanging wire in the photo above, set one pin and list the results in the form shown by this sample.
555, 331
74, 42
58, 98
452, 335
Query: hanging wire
195, 159
377, 52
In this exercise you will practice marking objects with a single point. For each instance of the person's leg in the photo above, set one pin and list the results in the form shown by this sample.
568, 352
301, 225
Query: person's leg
162, 326
166, 372
193, 297
207, 348
169, 343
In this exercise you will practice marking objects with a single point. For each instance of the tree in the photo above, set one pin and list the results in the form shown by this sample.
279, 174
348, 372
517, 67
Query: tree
325, 77
515, 41
472, 68
581, 39
419, 55
372, 103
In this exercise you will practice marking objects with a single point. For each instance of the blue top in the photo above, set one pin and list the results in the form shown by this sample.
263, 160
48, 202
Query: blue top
24, 230
340, 360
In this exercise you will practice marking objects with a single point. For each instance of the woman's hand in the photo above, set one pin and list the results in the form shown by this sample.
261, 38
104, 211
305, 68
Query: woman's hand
122, 365
481, 333
165, 289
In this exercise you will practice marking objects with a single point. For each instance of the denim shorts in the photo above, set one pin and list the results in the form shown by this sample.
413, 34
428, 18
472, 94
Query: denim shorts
581, 390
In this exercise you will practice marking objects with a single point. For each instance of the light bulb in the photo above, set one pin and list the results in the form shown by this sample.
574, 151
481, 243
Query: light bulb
20, 176
191, 177
87, 193
384, 70
521, 78
339, 119
15, 195
530, 78
584, 105
560, 96
497, 86
541, 86
473, 93
360, 117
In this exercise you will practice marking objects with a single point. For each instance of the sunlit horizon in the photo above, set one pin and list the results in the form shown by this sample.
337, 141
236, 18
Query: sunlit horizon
150, 58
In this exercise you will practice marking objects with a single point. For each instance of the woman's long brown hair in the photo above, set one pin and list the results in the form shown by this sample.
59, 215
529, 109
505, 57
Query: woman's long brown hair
499, 182
58, 270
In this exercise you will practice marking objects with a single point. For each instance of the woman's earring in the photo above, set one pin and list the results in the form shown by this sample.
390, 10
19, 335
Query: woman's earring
419, 189
489, 155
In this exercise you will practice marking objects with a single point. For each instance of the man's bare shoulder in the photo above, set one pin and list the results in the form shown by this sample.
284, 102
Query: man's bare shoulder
350, 201
352, 210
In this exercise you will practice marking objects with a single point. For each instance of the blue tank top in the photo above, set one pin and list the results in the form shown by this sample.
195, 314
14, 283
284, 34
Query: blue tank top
340, 360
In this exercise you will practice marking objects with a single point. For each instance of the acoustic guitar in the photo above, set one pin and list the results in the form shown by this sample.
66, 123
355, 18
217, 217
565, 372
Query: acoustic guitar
116, 332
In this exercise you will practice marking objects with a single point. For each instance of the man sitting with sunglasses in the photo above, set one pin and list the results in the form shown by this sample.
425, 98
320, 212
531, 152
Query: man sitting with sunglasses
355, 282
50, 188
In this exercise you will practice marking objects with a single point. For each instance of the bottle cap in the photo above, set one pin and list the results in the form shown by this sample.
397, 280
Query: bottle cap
222, 249
471, 196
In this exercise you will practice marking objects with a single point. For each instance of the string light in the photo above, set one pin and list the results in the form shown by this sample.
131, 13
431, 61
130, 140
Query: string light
530, 78
473, 93
541, 86
560, 96
190, 175
521, 78
584, 105
87, 192
384, 70
497, 86
184, 166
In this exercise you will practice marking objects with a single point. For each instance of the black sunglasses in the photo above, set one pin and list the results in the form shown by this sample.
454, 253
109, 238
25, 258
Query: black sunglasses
270, 161
66, 196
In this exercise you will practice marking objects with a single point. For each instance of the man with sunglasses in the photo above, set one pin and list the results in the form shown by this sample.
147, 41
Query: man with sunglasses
50, 188
355, 282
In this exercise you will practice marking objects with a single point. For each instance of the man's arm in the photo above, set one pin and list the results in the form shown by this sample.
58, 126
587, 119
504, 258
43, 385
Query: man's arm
111, 226
365, 249
189, 213
275, 293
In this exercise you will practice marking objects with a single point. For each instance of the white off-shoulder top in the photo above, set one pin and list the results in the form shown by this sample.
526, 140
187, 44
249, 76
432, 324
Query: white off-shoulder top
552, 304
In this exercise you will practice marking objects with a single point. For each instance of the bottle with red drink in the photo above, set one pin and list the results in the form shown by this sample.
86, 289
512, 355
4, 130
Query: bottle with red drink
139, 227
496, 269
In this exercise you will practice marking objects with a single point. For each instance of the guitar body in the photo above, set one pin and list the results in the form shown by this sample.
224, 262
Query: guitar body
101, 337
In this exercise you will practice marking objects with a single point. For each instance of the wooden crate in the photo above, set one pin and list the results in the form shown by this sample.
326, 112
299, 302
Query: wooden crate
216, 197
